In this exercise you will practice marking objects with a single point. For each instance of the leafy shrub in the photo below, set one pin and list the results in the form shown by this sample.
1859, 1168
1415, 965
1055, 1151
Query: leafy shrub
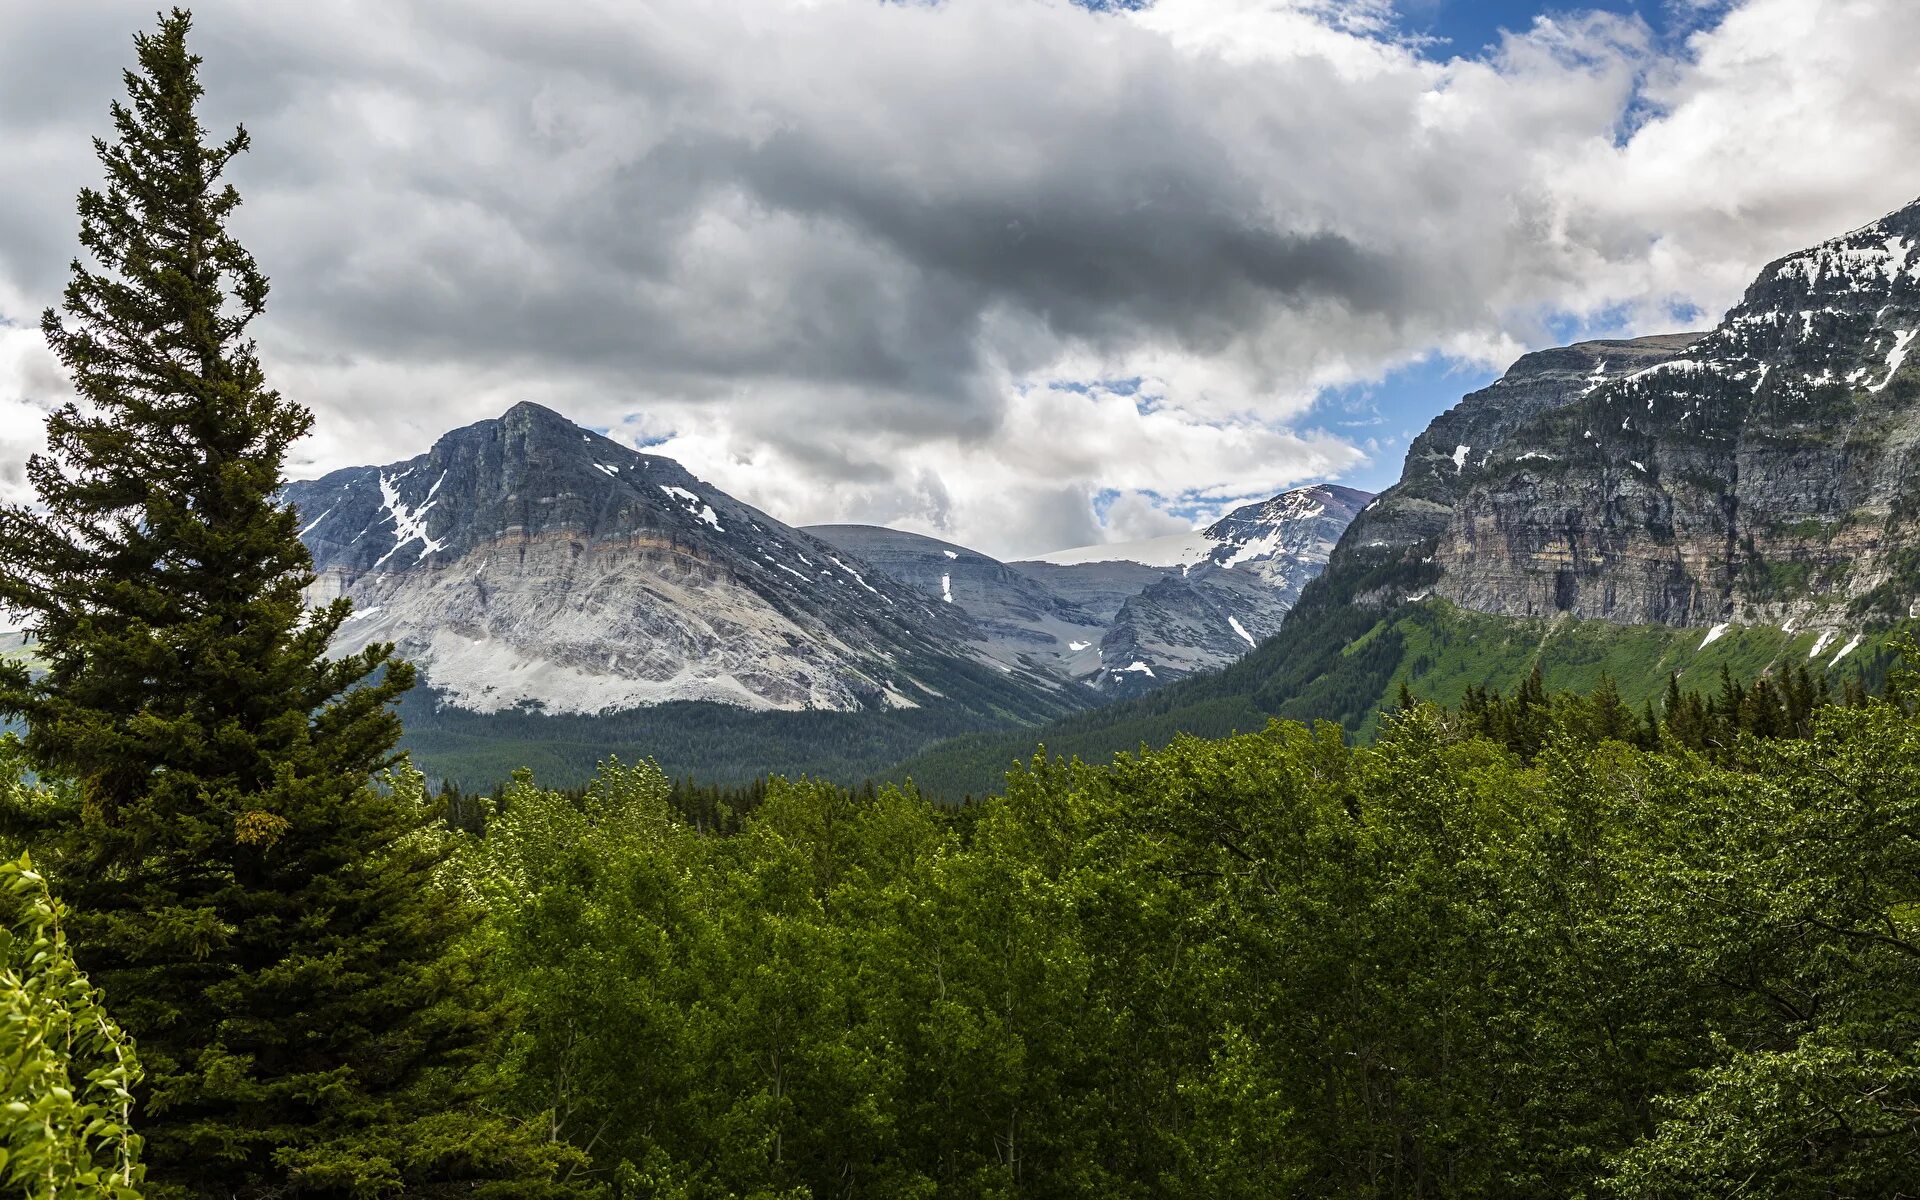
66, 1069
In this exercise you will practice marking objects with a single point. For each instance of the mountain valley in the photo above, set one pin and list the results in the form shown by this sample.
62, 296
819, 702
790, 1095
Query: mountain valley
546, 578
1126, 617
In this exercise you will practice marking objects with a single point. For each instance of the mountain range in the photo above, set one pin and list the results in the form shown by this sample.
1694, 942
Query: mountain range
549, 580
1125, 617
1666, 507
1743, 499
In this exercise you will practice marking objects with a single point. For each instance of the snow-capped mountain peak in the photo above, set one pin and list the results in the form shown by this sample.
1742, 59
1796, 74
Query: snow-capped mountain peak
527, 560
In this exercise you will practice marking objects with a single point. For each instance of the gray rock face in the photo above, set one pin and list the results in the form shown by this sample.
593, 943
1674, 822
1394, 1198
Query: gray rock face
1194, 602
1764, 474
1099, 589
1404, 525
526, 560
1186, 623
1022, 620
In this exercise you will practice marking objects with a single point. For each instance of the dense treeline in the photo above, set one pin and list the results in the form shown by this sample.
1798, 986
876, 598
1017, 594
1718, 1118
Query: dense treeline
1711, 723
707, 807
1535, 945
1448, 964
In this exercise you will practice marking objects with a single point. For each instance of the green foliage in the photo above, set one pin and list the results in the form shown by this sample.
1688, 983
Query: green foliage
1721, 725
1775, 579
1345, 663
1789, 883
1537, 945
260, 908
66, 1070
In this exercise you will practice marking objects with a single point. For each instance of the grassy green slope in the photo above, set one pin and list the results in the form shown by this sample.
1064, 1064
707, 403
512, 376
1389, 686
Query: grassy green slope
1446, 650
1345, 663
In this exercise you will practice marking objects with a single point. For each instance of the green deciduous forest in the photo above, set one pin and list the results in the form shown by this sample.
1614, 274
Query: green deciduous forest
1524, 943
1449, 964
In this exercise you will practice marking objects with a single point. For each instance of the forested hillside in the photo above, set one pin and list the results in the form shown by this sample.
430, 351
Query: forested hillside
1504, 951
1336, 661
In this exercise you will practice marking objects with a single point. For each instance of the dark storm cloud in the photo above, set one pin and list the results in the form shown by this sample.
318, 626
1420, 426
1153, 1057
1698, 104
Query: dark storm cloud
833, 246
537, 191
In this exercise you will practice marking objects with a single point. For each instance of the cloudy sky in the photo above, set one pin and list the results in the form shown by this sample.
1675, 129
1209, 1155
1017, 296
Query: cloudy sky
1023, 273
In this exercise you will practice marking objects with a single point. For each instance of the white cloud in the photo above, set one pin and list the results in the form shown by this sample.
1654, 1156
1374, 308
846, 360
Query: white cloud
31, 383
1029, 487
839, 249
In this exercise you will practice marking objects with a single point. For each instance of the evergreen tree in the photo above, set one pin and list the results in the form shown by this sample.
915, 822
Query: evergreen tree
1608, 717
264, 915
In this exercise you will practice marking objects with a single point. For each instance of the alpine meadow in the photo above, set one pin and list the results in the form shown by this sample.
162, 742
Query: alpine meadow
1130, 769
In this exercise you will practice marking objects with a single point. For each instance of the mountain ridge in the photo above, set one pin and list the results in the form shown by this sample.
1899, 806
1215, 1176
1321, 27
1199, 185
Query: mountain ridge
1746, 490
593, 598
512, 560
1211, 595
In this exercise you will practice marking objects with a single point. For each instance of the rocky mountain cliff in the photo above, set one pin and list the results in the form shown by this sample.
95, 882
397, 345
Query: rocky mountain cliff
1766, 474
1022, 619
525, 560
1444, 460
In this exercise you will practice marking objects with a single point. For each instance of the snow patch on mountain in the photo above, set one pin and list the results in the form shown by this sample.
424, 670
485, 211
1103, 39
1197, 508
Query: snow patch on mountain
695, 505
1903, 340
409, 524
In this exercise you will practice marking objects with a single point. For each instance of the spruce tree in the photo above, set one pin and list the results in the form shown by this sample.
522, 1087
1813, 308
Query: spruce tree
260, 912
